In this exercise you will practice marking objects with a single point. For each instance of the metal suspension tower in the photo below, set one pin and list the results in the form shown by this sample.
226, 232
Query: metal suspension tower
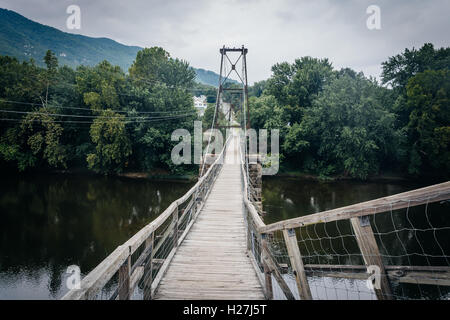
227, 67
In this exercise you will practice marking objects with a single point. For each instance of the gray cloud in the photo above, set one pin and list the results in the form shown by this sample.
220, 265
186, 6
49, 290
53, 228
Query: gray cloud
274, 31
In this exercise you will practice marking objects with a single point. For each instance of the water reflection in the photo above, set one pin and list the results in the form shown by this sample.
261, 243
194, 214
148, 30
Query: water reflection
50, 222
417, 236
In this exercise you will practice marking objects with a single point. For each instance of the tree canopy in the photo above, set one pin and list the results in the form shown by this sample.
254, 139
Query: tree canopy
332, 122
95, 117
341, 123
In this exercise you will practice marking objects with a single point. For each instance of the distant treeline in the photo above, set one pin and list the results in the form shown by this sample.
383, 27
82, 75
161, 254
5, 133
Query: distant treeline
341, 123
332, 122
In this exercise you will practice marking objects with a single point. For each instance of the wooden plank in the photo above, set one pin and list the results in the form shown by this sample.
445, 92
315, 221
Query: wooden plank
135, 277
256, 268
434, 193
267, 272
396, 274
339, 275
267, 257
148, 269
175, 227
387, 267
371, 254
124, 280
290, 240
212, 261
431, 278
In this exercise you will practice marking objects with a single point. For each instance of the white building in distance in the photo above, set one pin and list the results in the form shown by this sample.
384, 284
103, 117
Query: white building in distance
200, 104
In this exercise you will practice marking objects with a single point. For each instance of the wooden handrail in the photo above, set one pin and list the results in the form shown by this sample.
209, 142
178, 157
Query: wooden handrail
434, 193
103, 272
364, 234
250, 207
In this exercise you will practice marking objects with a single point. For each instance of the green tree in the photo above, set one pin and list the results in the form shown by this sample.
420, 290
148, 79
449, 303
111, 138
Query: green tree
265, 113
112, 144
149, 65
20, 81
160, 84
397, 70
428, 105
296, 86
52, 64
37, 138
345, 131
410, 73
101, 85
257, 89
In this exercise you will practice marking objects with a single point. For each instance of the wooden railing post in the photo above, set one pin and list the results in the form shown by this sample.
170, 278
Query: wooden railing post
249, 235
175, 227
371, 254
148, 268
267, 273
271, 263
297, 264
124, 279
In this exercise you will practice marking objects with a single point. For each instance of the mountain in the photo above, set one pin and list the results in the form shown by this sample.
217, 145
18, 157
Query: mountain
24, 39
210, 77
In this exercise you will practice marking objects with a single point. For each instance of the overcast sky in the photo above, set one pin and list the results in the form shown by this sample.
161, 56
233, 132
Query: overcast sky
273, 30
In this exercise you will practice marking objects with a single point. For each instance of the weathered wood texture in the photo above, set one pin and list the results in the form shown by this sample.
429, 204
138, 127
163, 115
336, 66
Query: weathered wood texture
212, 261
434, 193
371, 254
290, 239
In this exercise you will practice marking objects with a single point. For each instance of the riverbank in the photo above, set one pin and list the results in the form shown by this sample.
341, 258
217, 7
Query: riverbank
157, 175
154, 175
382, 177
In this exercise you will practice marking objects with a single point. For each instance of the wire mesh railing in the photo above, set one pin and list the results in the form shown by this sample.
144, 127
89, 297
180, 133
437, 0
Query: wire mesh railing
395, 247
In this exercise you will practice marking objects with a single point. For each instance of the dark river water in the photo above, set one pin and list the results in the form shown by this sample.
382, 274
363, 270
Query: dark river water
418, 236
49, 222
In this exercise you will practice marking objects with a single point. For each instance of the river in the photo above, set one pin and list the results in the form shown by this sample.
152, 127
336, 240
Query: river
417, 236
49, 222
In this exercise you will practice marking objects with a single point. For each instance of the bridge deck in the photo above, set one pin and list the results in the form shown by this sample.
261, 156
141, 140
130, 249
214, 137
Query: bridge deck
212, 261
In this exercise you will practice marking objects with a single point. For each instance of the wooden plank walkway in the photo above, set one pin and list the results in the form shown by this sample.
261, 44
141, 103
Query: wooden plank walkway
212, 261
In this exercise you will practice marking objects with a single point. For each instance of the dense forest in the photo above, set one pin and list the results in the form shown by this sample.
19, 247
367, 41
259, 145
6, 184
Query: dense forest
332, 122
98, 117
341, 123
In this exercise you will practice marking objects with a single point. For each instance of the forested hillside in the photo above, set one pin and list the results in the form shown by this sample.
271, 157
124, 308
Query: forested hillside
24, 39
